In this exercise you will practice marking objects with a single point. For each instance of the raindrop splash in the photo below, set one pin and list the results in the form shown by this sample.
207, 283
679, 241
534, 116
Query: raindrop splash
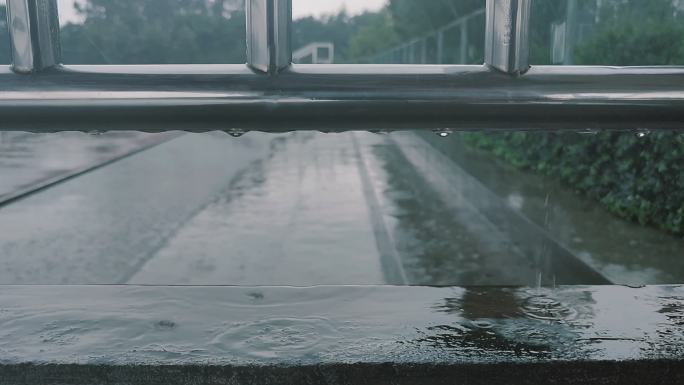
482, 324
545, 308
539, 281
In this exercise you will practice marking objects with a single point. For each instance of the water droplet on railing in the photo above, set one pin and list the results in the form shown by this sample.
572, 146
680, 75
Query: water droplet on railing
380, 132
236, 132
95, 132
642, 133
443, 133
589, 131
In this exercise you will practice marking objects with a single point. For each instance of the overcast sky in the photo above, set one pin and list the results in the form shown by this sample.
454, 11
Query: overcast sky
300, 8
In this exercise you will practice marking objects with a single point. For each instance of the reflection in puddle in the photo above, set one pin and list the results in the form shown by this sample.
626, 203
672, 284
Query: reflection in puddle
505, 322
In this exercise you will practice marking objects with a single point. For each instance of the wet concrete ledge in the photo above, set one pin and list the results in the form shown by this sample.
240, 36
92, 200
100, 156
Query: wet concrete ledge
341, 335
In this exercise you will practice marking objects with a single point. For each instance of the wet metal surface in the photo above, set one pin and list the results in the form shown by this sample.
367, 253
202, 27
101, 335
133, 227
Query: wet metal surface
340, 97
296, 327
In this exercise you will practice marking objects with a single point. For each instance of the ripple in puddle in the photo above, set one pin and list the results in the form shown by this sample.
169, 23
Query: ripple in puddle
271, 338
546, 308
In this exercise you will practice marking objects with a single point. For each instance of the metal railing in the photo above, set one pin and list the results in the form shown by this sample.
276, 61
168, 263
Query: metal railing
269, 93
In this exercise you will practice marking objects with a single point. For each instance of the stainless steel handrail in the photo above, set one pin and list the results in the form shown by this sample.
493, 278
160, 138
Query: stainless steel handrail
341, 97
271, 94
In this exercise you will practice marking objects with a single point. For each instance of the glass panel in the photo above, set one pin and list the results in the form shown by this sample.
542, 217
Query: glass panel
389, 31
5, 53
307, 208
152, 31
607, 32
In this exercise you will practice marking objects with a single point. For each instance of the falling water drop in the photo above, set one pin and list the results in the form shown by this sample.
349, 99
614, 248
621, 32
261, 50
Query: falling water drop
236, 132
539, 281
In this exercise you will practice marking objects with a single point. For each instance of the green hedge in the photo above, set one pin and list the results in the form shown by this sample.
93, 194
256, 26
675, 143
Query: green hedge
638, 177
641, 179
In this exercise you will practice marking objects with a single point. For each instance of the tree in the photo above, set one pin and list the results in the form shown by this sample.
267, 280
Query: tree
638, 32
353, 36
156, 31
640, 178
377, 34
416, 18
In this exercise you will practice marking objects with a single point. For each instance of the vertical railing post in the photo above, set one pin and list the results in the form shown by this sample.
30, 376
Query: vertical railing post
506, 40
34, 34
268, 34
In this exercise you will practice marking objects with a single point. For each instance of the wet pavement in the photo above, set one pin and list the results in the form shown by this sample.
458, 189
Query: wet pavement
294, 217
31, 161
102, 226
294, 209
290, 209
